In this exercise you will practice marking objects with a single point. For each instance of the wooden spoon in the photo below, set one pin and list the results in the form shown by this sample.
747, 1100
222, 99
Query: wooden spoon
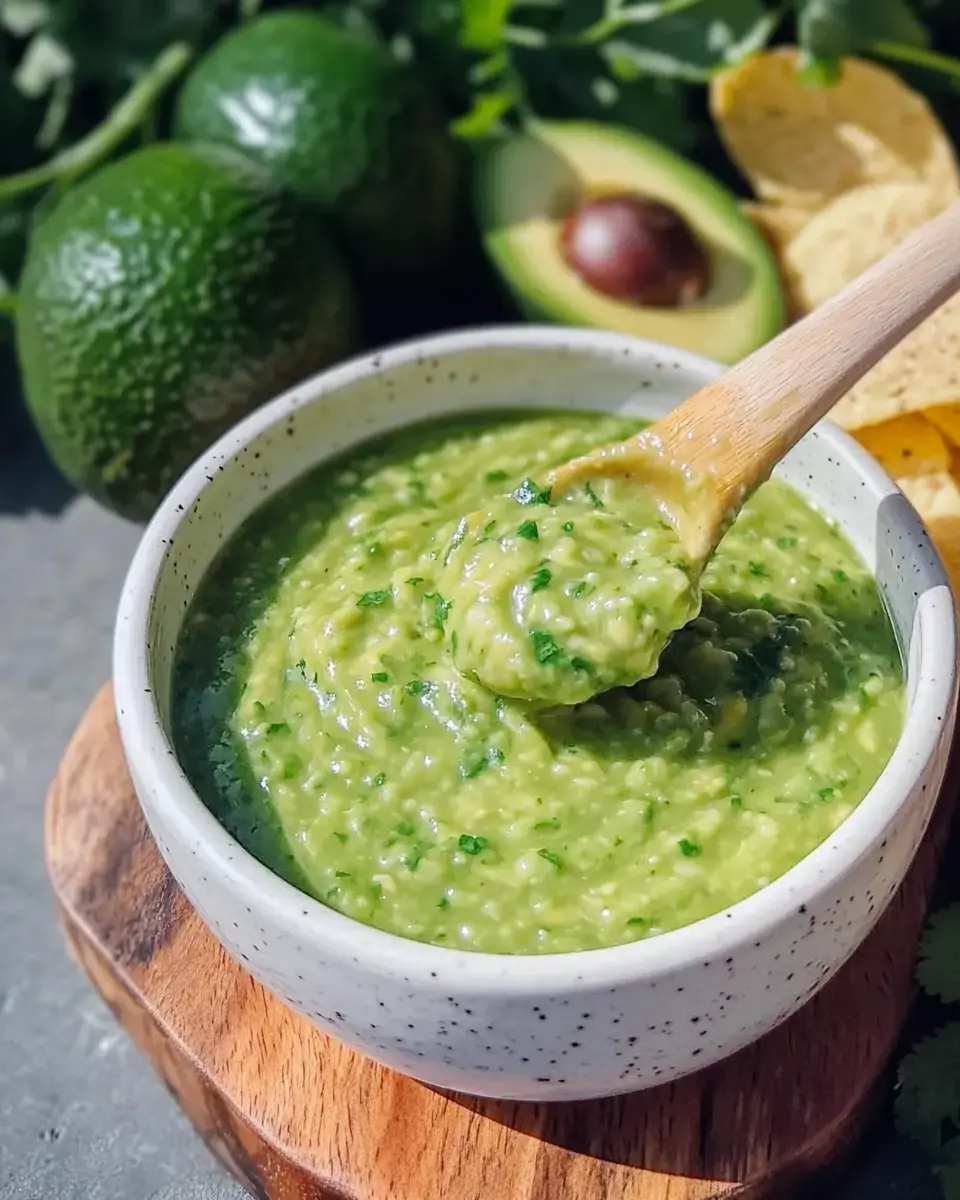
706, 457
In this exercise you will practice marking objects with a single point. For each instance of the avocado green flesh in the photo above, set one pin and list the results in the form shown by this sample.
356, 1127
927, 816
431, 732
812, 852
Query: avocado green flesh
175, 290
557, 600
318, 712
528, 183
340, 122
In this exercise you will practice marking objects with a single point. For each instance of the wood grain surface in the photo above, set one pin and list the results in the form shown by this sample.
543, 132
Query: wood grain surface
296, 1116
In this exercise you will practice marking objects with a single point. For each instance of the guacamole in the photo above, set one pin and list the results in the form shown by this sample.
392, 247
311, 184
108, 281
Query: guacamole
320, 712
557, 600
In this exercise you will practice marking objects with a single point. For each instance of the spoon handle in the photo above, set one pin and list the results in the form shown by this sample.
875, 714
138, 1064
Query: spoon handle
766, 403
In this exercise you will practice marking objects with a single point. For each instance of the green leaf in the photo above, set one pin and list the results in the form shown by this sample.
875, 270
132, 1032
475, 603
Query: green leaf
528, 530
485, 117
375, 599
827, 30
552, 857
694, 43
470, 844
545, 646
938, 963
540, 579
483, 23
928, 1096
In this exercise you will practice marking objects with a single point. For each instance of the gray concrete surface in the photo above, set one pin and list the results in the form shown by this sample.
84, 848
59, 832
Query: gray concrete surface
81, 1115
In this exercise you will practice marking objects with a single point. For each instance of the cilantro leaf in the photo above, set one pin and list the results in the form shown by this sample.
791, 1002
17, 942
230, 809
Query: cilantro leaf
540, 579
529, 531
545, 646
483, 23
693, 42
827, 30
690, 848
552, 857
928, 1096
375, 599
470, 844
441, 609
938, 963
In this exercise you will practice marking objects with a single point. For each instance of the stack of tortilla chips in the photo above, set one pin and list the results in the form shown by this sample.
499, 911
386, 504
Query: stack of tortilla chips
842, 175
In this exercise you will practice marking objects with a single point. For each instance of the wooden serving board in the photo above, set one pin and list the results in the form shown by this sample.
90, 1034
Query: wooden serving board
297, 1116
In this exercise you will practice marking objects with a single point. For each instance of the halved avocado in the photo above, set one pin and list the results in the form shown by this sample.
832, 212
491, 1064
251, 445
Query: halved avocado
529, 185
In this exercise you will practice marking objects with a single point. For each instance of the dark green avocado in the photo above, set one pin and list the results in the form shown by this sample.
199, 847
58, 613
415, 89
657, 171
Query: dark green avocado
167, 296
338, 120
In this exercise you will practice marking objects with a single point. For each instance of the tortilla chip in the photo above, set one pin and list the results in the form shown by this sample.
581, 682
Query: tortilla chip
851, 234
803, 145
920, 373
778, 223
937, 499
946, 417
907, 447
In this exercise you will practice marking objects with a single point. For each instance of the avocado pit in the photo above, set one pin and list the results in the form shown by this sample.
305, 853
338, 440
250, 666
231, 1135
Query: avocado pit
635, 249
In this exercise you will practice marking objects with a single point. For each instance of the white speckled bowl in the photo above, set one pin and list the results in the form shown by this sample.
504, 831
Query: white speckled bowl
556, 1027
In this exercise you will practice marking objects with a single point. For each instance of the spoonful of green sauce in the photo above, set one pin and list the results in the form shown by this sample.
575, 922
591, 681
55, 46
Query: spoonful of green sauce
556, 601
568, 589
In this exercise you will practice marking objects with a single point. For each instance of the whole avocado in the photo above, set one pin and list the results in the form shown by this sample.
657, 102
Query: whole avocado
342, 123
167, 296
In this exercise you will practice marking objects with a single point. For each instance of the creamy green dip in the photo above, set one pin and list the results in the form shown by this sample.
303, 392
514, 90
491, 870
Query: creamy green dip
319, 711
559, 600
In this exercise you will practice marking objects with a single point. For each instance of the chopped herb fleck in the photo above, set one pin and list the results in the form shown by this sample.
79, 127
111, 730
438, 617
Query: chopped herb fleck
341, 837
636, 920
736, 802
379, 780
374, 599
544, 826
417, 687
529, 531
690, 848
342, 875
839, 576
595, 501
414, 580
454, 641
568, 527
472, 845
758, 570
541, 579
302, 668
552, 857
577, 589
443, 902
826, 793
277, 727
380, 677
259, 707
292, 766
582, 664
786, 543
411, 859
495, 476
545, 646
441, 609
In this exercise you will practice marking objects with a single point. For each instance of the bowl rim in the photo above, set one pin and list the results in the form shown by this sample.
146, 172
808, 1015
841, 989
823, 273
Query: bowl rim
254, 886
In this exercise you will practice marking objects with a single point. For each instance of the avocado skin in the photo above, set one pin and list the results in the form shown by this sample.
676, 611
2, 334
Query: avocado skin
340, 122
172, 292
